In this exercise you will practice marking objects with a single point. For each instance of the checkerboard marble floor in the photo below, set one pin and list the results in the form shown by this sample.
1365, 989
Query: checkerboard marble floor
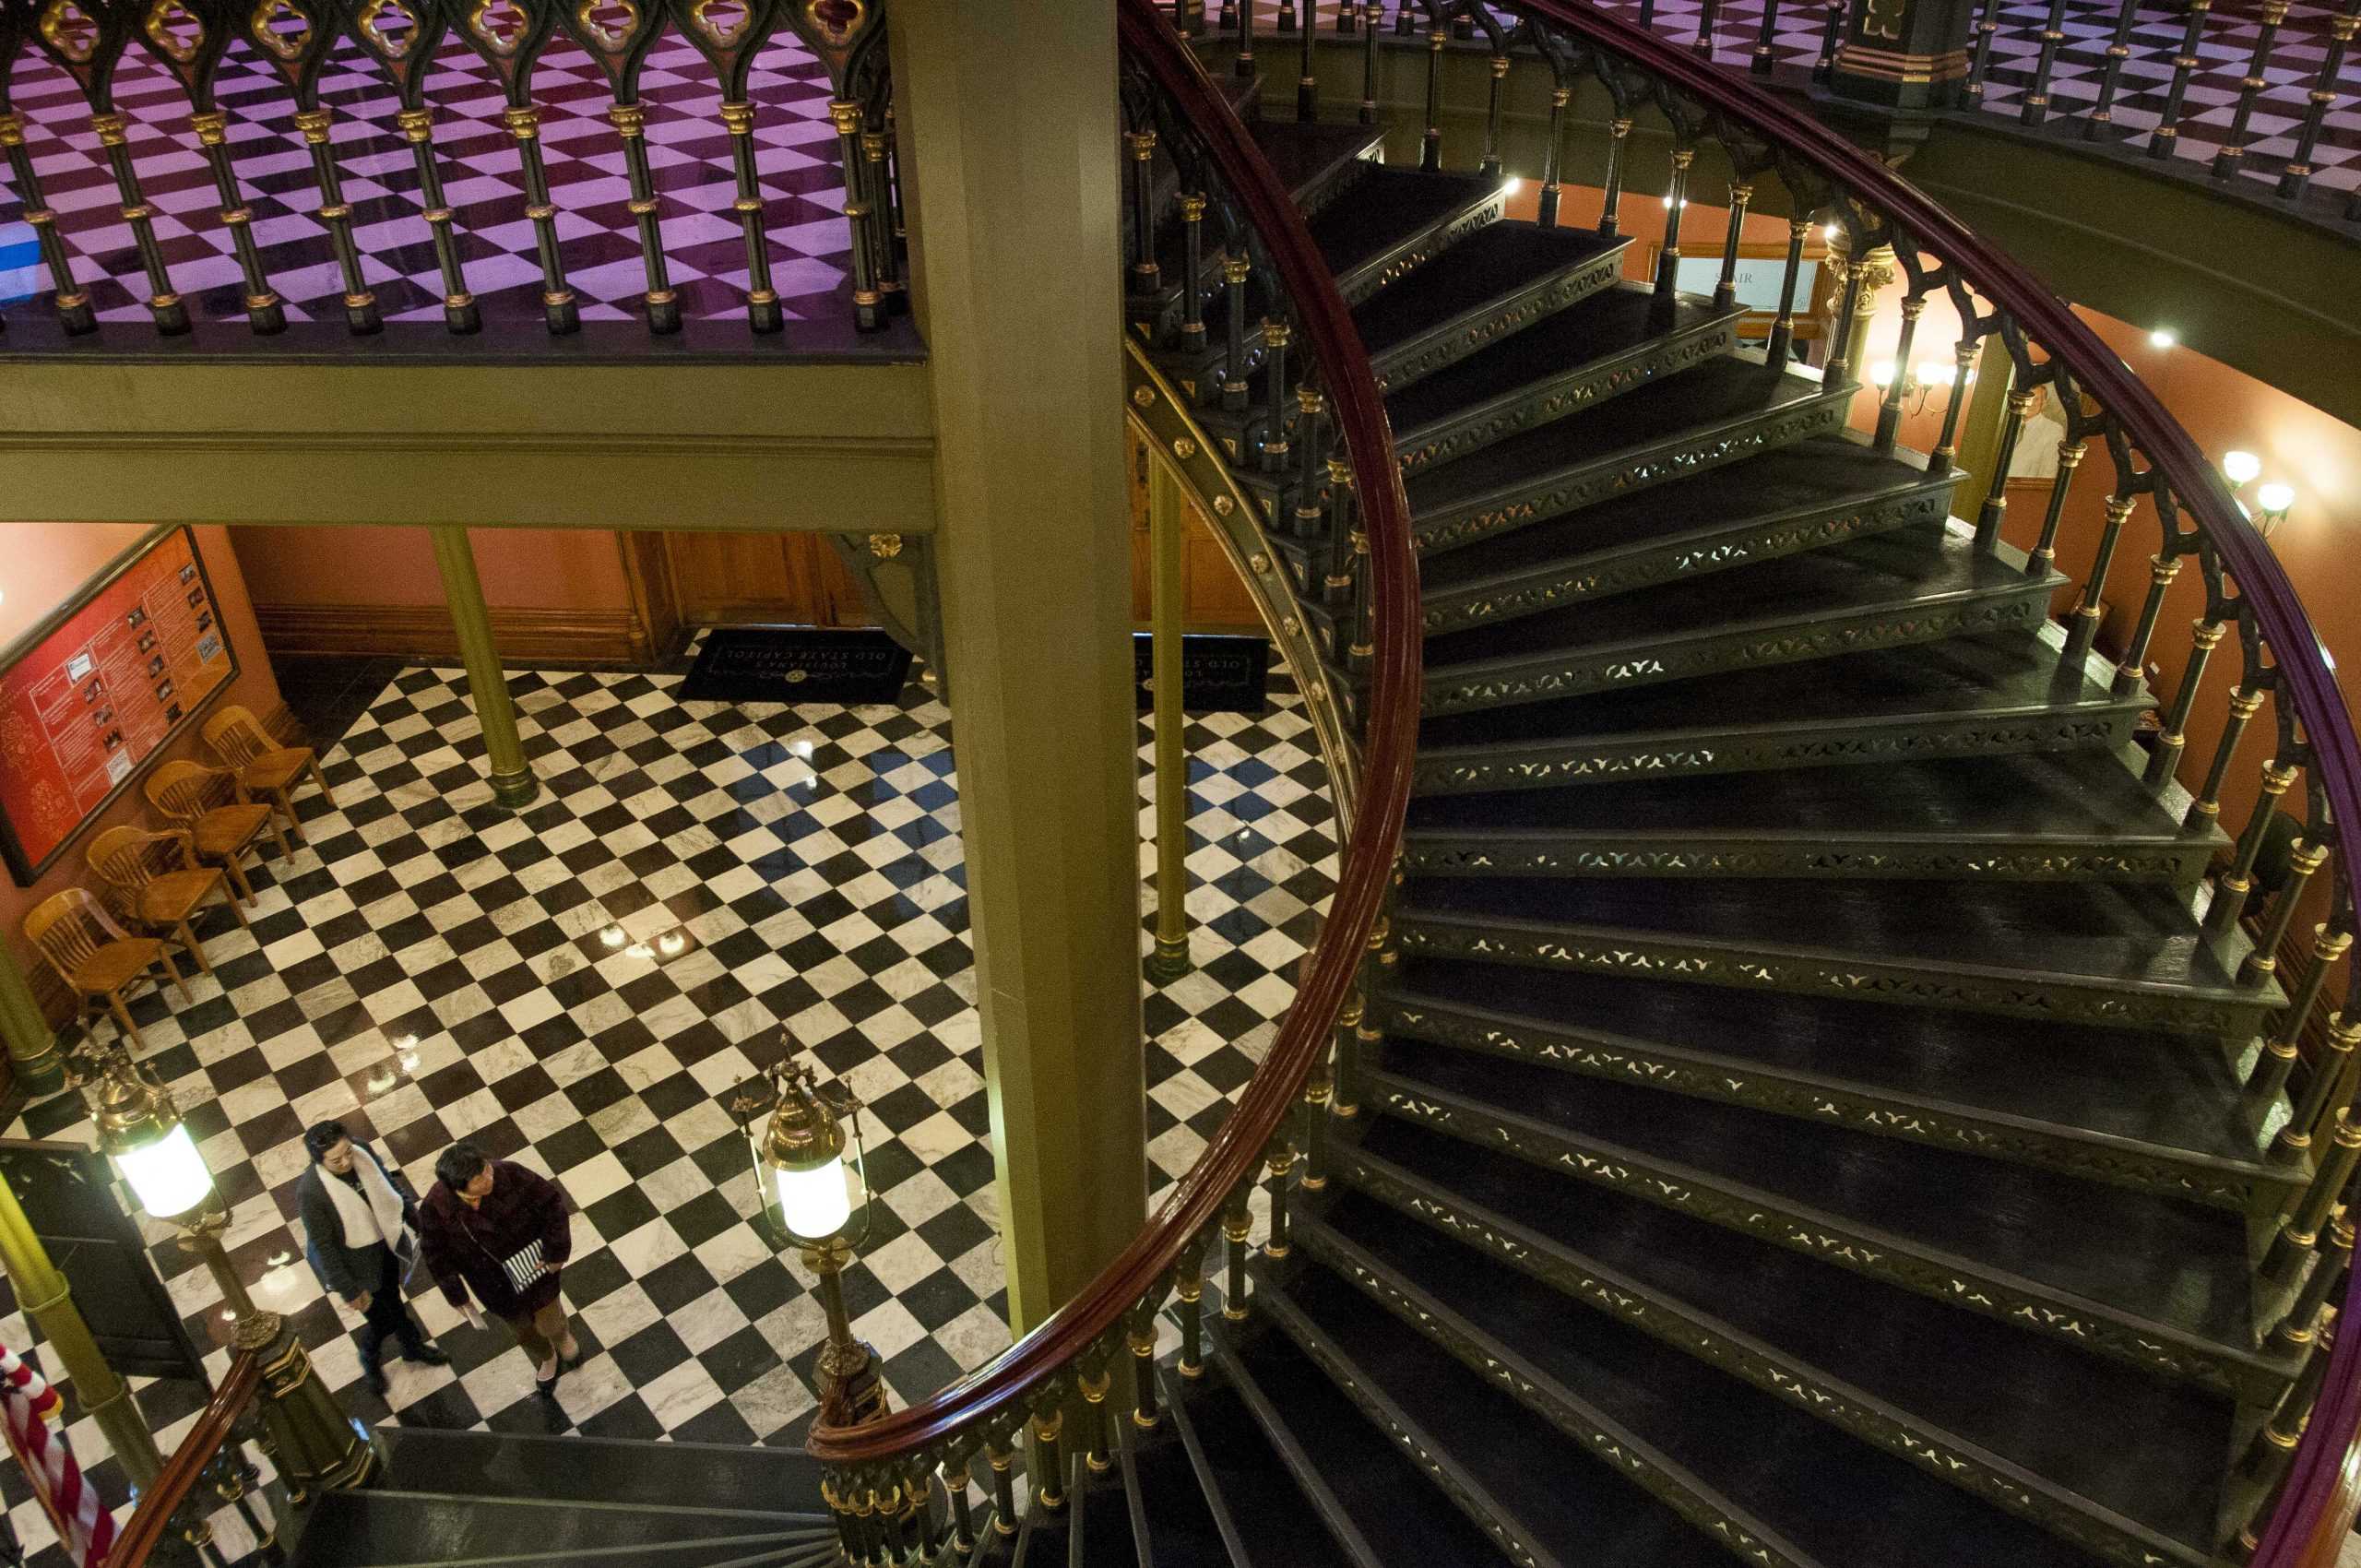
689, 154
584, 987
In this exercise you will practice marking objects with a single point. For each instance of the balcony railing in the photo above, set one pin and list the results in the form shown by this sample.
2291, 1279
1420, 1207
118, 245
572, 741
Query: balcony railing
451, 164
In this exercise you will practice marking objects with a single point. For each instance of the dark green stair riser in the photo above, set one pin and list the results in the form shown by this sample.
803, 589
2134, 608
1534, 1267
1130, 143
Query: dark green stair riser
1364, 280
1928, 856
1448, 342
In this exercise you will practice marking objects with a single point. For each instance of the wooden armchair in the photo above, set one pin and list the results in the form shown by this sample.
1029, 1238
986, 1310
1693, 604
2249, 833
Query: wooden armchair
95, 957
158, 882
211, 804
262, 764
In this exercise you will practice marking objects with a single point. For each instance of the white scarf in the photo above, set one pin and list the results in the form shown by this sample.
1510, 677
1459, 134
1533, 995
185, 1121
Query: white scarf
372, 1215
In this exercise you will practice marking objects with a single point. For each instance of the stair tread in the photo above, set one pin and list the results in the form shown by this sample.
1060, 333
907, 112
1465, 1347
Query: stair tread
2124, 934
1798, 1472
1389, 205
2162, 1094
778, 1481
1721, 389
1890, 571
1404, 1519
1243, 1479
1302, 152
1182, 1530
2030, 798
2159, 1260
1505, 258
1611, 322
1574, 1511
2008, 671
355, 1529
1818, 472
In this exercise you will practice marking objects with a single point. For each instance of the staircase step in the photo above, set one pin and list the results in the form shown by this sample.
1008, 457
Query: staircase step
1181, 1529
1358, 1478
1259, 1511
1885, 591
1099, 1519
2159, 1283
370, 1529
1718, 412
2122, 955
1495, 281
1531, 1491
1963, 697
1756, 1441
2034, 816
1607, 344
1397, 221
1818, 492
777, 1483
1317, 160
2112, 1106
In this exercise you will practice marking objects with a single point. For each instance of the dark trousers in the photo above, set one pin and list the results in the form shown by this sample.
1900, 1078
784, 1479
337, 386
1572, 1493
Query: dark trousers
387, 1317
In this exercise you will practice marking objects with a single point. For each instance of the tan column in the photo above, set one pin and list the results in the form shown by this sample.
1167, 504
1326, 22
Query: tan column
1008, 110
513, 783
33, 1055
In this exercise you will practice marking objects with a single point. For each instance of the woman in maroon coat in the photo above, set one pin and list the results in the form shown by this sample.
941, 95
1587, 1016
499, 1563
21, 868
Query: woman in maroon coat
500, 1230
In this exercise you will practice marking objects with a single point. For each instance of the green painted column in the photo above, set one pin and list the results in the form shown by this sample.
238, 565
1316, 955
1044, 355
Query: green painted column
1014, 193
1168, 517
33, 1055
41, 1290
513, 783
1979, 436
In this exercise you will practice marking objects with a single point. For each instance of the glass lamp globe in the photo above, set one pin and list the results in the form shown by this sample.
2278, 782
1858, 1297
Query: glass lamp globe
805, 1148
2275, 498
142, 1130
2239, 468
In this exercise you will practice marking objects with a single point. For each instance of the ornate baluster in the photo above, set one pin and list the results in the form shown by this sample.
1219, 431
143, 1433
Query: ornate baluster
1490, 166
1237, 1225
2267, 1458
2300, 1327
868, 296
877, 225
188, 40
1236, 270
2280, 1053
2304, 858
1311, 442
1726, 286
1825, 66
1362, 653
1286, 19
1347, 1053
1245, 66
2231, 889
1346, 18
2053, 33
1618, 134
1147, 278
1307, 81
2162, 569
831, 1492
401, 36
1000, 1457
509, 35
1282, 1162
2165, 761
1648, 14
1140, 1339
2070, 459
1987, 27
1369, 64
845, 40
2234, 147
955, 1481
2244, 704
898, 225
1189, 1287
1337, 588
1553, 157
2111, 75
1947, 444
1996, 496
75, 314
1050, 1477
1099, 1432
1854, 269
1706, 12
294, 37
1778, 347
1274, 384
2298, 173
1319, 1091
87, 44
1430, 146
1764, 54
1676, 207
1193, 273
1914, 305
2300, 1230
2167, 131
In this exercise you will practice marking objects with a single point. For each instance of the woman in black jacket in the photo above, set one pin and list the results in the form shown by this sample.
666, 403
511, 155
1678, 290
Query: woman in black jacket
501, 1230
359, 1224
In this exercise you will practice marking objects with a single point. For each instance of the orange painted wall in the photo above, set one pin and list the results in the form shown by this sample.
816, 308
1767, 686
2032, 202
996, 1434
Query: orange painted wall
46, 563
522, 568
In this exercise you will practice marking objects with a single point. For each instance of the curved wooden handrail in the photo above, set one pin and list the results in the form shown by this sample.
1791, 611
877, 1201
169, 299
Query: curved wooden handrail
1327, 327
188, 1464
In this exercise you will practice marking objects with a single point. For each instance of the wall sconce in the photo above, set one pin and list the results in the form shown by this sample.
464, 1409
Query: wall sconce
2271, 506
2164, 338
1921, 383
2240, 467
2271, 501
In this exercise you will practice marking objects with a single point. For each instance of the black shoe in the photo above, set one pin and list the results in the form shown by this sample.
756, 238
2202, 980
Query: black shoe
374, 1376
426, 1355
547, 1387
566, 1363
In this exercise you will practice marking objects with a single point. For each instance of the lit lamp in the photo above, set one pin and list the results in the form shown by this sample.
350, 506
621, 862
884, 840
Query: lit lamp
316, 1445
2271, 501
2240, 467
802, 1148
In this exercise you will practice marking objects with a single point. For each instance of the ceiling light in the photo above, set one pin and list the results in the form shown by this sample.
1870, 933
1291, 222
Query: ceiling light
2163, 338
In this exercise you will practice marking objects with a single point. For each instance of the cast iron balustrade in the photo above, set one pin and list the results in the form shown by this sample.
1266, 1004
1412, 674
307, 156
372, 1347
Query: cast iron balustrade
316, 51
1301, 440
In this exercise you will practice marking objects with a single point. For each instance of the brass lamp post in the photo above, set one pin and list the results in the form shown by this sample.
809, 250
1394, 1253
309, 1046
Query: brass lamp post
317, 1444
802, 1148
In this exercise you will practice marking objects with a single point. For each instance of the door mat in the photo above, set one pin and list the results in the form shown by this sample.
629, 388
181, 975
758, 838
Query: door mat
1219, 674
796, 665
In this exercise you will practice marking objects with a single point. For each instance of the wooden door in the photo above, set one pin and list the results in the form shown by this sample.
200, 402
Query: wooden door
734, 579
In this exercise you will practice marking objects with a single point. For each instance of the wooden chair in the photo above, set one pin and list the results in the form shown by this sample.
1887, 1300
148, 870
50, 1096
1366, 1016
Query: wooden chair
97, 958
262, 766
158, 882
211, 804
